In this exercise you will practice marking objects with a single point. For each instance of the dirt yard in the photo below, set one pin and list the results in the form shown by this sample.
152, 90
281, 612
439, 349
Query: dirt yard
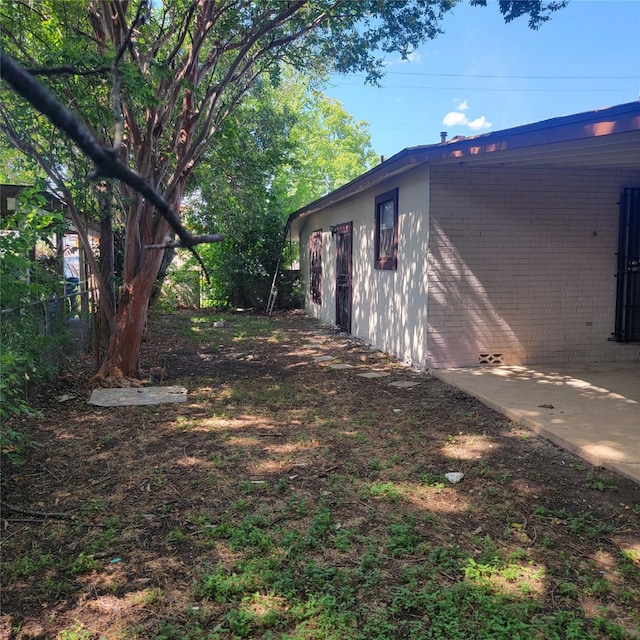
288, 499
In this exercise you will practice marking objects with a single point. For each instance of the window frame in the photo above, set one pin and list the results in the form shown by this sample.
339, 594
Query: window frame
386, 263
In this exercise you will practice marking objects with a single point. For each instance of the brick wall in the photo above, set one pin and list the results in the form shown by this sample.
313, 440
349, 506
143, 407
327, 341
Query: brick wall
521, 266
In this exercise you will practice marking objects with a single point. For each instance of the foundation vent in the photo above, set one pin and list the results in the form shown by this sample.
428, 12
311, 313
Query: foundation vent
491, 358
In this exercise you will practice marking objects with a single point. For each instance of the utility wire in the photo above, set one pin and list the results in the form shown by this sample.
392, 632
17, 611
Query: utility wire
505, 89
473, 75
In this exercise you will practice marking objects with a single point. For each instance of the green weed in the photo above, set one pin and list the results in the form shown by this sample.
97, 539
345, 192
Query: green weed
76, 632
222, 587
382, 490
432, 480
599, 484
31, 563
176, 536
403, 537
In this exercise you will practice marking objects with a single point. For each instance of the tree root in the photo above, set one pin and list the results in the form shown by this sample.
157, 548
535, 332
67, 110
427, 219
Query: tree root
115, 380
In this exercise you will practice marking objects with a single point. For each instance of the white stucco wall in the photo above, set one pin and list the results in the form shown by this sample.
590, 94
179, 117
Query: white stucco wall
389, 307
522, 264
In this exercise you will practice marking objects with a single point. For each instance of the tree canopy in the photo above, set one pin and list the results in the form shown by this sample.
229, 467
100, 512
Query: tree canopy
286, 145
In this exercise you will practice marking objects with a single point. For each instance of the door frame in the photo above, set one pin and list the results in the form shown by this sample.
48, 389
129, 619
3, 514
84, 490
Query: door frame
343, 234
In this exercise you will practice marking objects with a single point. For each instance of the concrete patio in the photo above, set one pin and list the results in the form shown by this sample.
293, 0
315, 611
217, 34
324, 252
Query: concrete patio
592, 410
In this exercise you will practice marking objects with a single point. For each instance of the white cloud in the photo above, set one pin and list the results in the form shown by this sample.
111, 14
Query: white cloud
479, 123
459, 119
454, 119
414, 56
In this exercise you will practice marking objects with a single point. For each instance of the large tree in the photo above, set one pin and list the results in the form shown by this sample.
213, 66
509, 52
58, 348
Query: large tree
155, 80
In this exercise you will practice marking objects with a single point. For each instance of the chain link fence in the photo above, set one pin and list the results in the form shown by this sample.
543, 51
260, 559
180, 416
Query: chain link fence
51, 332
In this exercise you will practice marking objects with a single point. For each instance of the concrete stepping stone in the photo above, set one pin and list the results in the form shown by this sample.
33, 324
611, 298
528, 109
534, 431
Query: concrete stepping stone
373, 374
341, 366
323, 358
137, 396
403, 384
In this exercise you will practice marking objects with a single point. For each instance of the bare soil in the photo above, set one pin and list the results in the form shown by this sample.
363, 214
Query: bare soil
131, 522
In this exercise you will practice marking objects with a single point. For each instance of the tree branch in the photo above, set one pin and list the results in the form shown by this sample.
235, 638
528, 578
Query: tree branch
138, 20
117, 106
203, 239
239, 70
106, 162
37, 514
66, 69
181, 36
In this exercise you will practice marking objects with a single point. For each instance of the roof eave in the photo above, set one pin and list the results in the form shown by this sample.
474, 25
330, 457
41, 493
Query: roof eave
622, 118
397, 164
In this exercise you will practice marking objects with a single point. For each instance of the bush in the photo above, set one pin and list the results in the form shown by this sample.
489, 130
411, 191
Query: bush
180, 289
13, 380
290, 294
31, 311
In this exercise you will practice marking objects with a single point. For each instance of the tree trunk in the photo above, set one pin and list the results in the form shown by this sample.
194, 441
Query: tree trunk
107, 261
121, 364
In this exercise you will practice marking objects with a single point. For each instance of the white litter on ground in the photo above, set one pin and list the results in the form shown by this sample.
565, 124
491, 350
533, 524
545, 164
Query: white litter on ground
135, 396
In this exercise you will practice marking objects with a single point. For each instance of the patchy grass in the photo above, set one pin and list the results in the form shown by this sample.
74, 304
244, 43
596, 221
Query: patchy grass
288, 500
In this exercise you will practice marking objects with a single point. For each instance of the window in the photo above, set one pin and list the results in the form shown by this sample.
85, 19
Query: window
315, 266
386, 241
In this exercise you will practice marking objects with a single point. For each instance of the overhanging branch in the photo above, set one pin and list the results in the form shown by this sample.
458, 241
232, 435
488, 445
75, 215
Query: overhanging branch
67, 69
105, 160
204, 239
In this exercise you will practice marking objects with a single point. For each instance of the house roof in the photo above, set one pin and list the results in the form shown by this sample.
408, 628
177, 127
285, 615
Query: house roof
9, 191
9, 200
604, 138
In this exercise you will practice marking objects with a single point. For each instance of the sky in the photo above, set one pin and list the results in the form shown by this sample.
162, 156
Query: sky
484, 75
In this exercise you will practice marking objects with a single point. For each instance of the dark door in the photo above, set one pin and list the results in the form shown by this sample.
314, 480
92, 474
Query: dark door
343, 235
315, 266
628, 293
